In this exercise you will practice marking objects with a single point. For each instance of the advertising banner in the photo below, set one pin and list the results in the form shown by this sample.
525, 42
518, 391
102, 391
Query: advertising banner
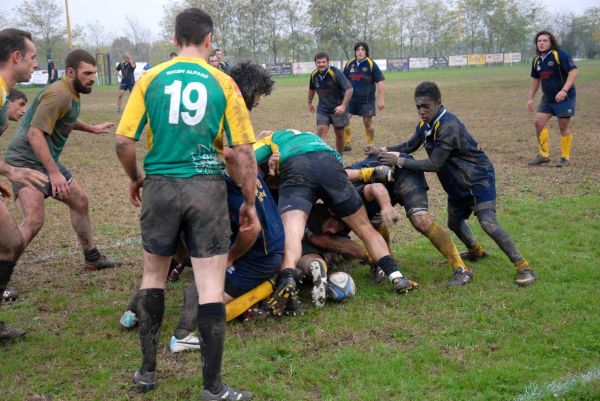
476, 59
458, 61
418, 62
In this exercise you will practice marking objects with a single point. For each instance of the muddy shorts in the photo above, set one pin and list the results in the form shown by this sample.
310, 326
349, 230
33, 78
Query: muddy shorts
197, 206
46, 189
337, 120
482, 197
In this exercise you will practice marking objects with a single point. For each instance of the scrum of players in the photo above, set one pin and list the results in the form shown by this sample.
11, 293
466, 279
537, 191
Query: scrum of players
284, 212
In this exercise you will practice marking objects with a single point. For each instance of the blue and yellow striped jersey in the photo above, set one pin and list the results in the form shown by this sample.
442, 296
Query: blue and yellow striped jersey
188, 106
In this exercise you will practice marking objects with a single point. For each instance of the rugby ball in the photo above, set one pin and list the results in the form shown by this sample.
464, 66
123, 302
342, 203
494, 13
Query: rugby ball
340, 287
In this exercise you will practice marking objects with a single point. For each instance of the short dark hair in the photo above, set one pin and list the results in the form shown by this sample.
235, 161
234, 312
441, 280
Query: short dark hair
16, 94
12, 40
251, 78
361, 44
429, 89
76, 57
172, 54
553, 42
217, 50
192, 25
321, 55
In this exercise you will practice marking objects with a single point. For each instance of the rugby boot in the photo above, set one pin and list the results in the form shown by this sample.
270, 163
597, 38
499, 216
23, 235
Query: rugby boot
293, 306
128, 320
226, 394
525, 276
254, 314
9, 295
144, 382
563, 162
286, 287
462, 276
191, 342
8, 333
473, 257
377, 275
539, 160
319, 279
102, 263
402, 285
382, 174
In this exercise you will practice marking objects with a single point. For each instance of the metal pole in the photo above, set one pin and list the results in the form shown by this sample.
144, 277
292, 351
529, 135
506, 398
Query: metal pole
69, 36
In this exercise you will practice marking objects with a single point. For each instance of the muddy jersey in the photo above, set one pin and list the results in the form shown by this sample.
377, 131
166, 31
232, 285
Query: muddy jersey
467, 165
289, 143
364, 76
552, 70
331, 87
54, 111
188, 106
4, 91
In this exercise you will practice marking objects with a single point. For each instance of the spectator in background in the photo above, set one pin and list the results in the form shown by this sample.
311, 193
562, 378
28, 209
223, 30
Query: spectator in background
223, 65
52, 72
126, 68
213, 60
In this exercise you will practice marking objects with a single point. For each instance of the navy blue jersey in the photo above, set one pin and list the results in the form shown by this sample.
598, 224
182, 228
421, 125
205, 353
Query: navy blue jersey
330, 86
271, 238
553, 73
467, 165
364, 76
127, 70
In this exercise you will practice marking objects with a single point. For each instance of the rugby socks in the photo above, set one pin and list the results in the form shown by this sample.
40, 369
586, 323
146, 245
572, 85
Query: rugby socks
476, 250
6, 271
543, 140
187, 318
211, 326
92, 255
389, 267
365, 174
565, 143
369, 136
521, 264
151, 308
347, 135
443, 243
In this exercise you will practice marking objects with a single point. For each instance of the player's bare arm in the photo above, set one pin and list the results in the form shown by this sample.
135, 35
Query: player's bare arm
562, 94
60, 186
22, 175
102, 128
379, 193
243, 242
380, 95
125, 148
311, 96
341, 109
533, 88
245, 166
338, 244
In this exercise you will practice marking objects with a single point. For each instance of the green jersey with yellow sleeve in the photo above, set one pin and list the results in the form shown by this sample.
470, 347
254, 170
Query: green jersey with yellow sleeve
290, 142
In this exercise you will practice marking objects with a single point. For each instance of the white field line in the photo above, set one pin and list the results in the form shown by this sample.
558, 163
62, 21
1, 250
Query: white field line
77, 251
559, 387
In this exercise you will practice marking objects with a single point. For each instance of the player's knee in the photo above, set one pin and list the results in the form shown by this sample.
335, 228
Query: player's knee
421, 222
539, 124
488, 221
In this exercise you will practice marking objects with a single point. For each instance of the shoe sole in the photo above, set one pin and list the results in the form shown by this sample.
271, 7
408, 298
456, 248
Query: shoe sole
459, 283
179, 347
319, 290
525, 283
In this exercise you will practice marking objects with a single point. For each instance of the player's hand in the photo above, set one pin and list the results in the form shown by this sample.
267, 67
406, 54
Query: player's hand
248, 217
389, 158
389, 215
530, 105
311, 108
5, 192
135, 194
103, 128
264, 133
372, 150
27, 176
560, 96
340, 110
273, 163
60, 186
380, 104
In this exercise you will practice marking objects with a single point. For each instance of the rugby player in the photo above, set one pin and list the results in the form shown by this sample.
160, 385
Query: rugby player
126, 68
556, 71
465, 172
189, 106
366, 77
17, 102
334, 92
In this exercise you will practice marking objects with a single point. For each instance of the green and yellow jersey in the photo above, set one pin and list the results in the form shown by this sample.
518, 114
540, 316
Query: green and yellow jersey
188, 105
54, 111
4, 91
289, 143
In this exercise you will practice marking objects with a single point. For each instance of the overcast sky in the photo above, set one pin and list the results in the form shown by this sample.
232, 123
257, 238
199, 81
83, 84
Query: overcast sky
112, 13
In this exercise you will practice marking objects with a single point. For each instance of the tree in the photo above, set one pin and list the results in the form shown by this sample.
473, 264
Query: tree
45, 20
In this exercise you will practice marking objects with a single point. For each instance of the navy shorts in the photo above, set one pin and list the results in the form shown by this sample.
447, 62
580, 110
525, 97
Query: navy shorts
316, 175
482, 197
196, 205
46, 189
363, 109
564, 109
337, 120
246, 275
126, 86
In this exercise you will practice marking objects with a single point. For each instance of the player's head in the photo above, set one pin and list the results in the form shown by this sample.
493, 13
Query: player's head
127, 57
361, 50
322, 61
213, 60
219, 54
428, 100
172, 55
320, 216
17, 102
544, 41
193, 27
80, 69
17, 53
253, 80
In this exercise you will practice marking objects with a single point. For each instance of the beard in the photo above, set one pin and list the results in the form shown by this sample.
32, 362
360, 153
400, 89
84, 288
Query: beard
80, 88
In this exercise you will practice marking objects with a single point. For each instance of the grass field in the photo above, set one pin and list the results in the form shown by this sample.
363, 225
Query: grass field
488, 341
